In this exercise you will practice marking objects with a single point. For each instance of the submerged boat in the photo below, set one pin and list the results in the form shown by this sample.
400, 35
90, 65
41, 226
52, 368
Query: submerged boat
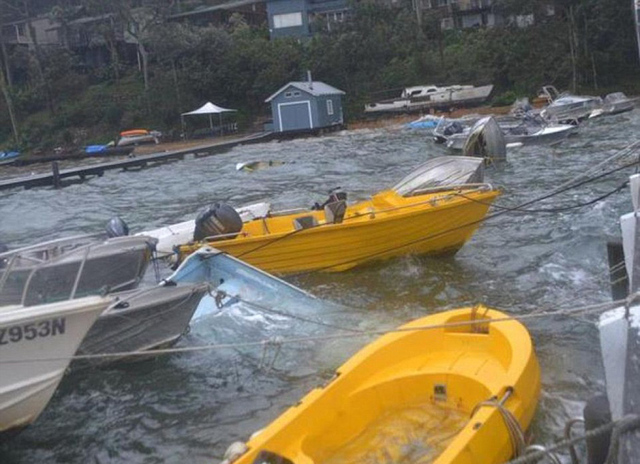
430, 96
566, 107
37, 343
434, 210
437, 390
50, 269
531, 130
205, 283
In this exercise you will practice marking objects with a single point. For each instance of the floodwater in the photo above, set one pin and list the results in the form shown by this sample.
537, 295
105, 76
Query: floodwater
190, 407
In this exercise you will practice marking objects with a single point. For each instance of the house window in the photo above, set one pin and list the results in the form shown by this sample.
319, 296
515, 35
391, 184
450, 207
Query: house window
329, 107
287, 20
296, 93
288, 94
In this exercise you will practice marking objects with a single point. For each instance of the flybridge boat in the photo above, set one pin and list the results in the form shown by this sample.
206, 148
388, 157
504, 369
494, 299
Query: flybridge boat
36, 345
434, 210
50, 269
437, 390
430, 96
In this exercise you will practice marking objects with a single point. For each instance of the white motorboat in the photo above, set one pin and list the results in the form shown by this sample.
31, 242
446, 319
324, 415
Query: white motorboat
430, 96
566, 107
616, 103
36, 345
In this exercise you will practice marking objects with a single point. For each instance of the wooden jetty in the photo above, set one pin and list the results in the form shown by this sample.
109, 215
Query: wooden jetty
79, 174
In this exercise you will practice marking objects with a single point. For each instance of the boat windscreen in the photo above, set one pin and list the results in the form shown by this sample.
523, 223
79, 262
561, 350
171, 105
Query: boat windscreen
441, 172
615, 97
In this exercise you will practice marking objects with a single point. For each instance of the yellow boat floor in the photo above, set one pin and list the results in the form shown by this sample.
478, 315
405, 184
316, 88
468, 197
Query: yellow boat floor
414, 435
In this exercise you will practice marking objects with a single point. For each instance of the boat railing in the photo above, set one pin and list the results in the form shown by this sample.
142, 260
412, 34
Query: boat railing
45, 245
444, 188
83, 250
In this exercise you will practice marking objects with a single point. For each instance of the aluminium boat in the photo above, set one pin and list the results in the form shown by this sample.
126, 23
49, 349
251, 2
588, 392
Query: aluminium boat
568, 108
434, 210
36, 345
433, 391
51, 270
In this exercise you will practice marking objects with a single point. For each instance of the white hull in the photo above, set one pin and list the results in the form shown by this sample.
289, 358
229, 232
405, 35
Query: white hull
461, 96
30, 334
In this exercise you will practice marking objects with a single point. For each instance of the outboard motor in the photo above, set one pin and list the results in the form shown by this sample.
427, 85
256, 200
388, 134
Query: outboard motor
116, 227
219, 219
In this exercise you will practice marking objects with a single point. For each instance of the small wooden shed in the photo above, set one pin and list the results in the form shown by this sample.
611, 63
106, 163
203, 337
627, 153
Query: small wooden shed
306, 106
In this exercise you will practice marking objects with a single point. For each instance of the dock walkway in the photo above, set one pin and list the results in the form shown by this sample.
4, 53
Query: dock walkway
138, 162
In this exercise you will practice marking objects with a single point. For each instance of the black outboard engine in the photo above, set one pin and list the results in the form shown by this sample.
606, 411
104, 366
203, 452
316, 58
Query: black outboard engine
116, 227
219, 219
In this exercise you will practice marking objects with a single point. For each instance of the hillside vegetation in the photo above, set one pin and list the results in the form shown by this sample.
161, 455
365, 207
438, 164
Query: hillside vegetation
586, 45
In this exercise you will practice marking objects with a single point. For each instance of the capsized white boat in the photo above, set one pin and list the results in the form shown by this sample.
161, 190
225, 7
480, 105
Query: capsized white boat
36, 345
431, 96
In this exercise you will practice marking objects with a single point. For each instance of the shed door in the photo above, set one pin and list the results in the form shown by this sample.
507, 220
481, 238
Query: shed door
295, 116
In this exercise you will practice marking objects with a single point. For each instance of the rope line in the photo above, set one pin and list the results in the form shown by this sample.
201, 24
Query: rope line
590, 309
621, 426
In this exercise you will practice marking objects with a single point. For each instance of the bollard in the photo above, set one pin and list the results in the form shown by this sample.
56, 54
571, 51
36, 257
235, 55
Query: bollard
56, 174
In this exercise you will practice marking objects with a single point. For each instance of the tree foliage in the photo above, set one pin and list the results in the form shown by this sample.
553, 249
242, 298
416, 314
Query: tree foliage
151, 69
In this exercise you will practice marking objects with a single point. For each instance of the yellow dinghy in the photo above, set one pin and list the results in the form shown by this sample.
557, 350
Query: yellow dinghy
437, 390
434, 210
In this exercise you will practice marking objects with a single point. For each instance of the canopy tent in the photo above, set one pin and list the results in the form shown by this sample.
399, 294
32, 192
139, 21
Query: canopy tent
208, 108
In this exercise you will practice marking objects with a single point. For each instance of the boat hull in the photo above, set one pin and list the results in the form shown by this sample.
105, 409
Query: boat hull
438, 225
30, 334
428, 363
141, 321
445, 99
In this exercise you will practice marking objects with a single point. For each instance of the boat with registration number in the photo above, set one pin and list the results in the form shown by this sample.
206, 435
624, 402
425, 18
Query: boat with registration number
434, 210
37, 343
448, 388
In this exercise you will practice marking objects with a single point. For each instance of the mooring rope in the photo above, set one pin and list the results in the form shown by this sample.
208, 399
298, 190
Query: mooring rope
589, 309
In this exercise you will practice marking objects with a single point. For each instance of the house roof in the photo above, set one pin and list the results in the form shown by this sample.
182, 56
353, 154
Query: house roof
315, 88
209, 9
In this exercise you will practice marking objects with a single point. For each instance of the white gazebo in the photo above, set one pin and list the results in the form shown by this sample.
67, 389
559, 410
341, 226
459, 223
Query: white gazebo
209, 109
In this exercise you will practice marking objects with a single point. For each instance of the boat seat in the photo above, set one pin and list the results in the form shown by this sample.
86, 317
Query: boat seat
305, 222
334, 212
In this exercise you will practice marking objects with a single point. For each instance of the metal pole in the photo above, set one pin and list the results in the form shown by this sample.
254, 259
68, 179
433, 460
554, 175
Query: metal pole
56, 174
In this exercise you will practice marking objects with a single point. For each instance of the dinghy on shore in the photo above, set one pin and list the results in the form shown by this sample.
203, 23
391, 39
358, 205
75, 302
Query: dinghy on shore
448, 388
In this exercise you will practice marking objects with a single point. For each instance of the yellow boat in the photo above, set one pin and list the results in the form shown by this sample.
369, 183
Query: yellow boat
434, 210
438, 390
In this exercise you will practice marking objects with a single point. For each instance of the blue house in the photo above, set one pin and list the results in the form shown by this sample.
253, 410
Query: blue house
294, 17
306, 106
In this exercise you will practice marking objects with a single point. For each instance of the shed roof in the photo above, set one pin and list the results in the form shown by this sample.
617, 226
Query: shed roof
315, 88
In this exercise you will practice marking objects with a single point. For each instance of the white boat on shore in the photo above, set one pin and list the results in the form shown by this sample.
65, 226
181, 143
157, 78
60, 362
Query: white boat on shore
37, 343
430, 96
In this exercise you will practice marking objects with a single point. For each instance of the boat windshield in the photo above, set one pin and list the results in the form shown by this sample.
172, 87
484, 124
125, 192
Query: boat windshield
441, 172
